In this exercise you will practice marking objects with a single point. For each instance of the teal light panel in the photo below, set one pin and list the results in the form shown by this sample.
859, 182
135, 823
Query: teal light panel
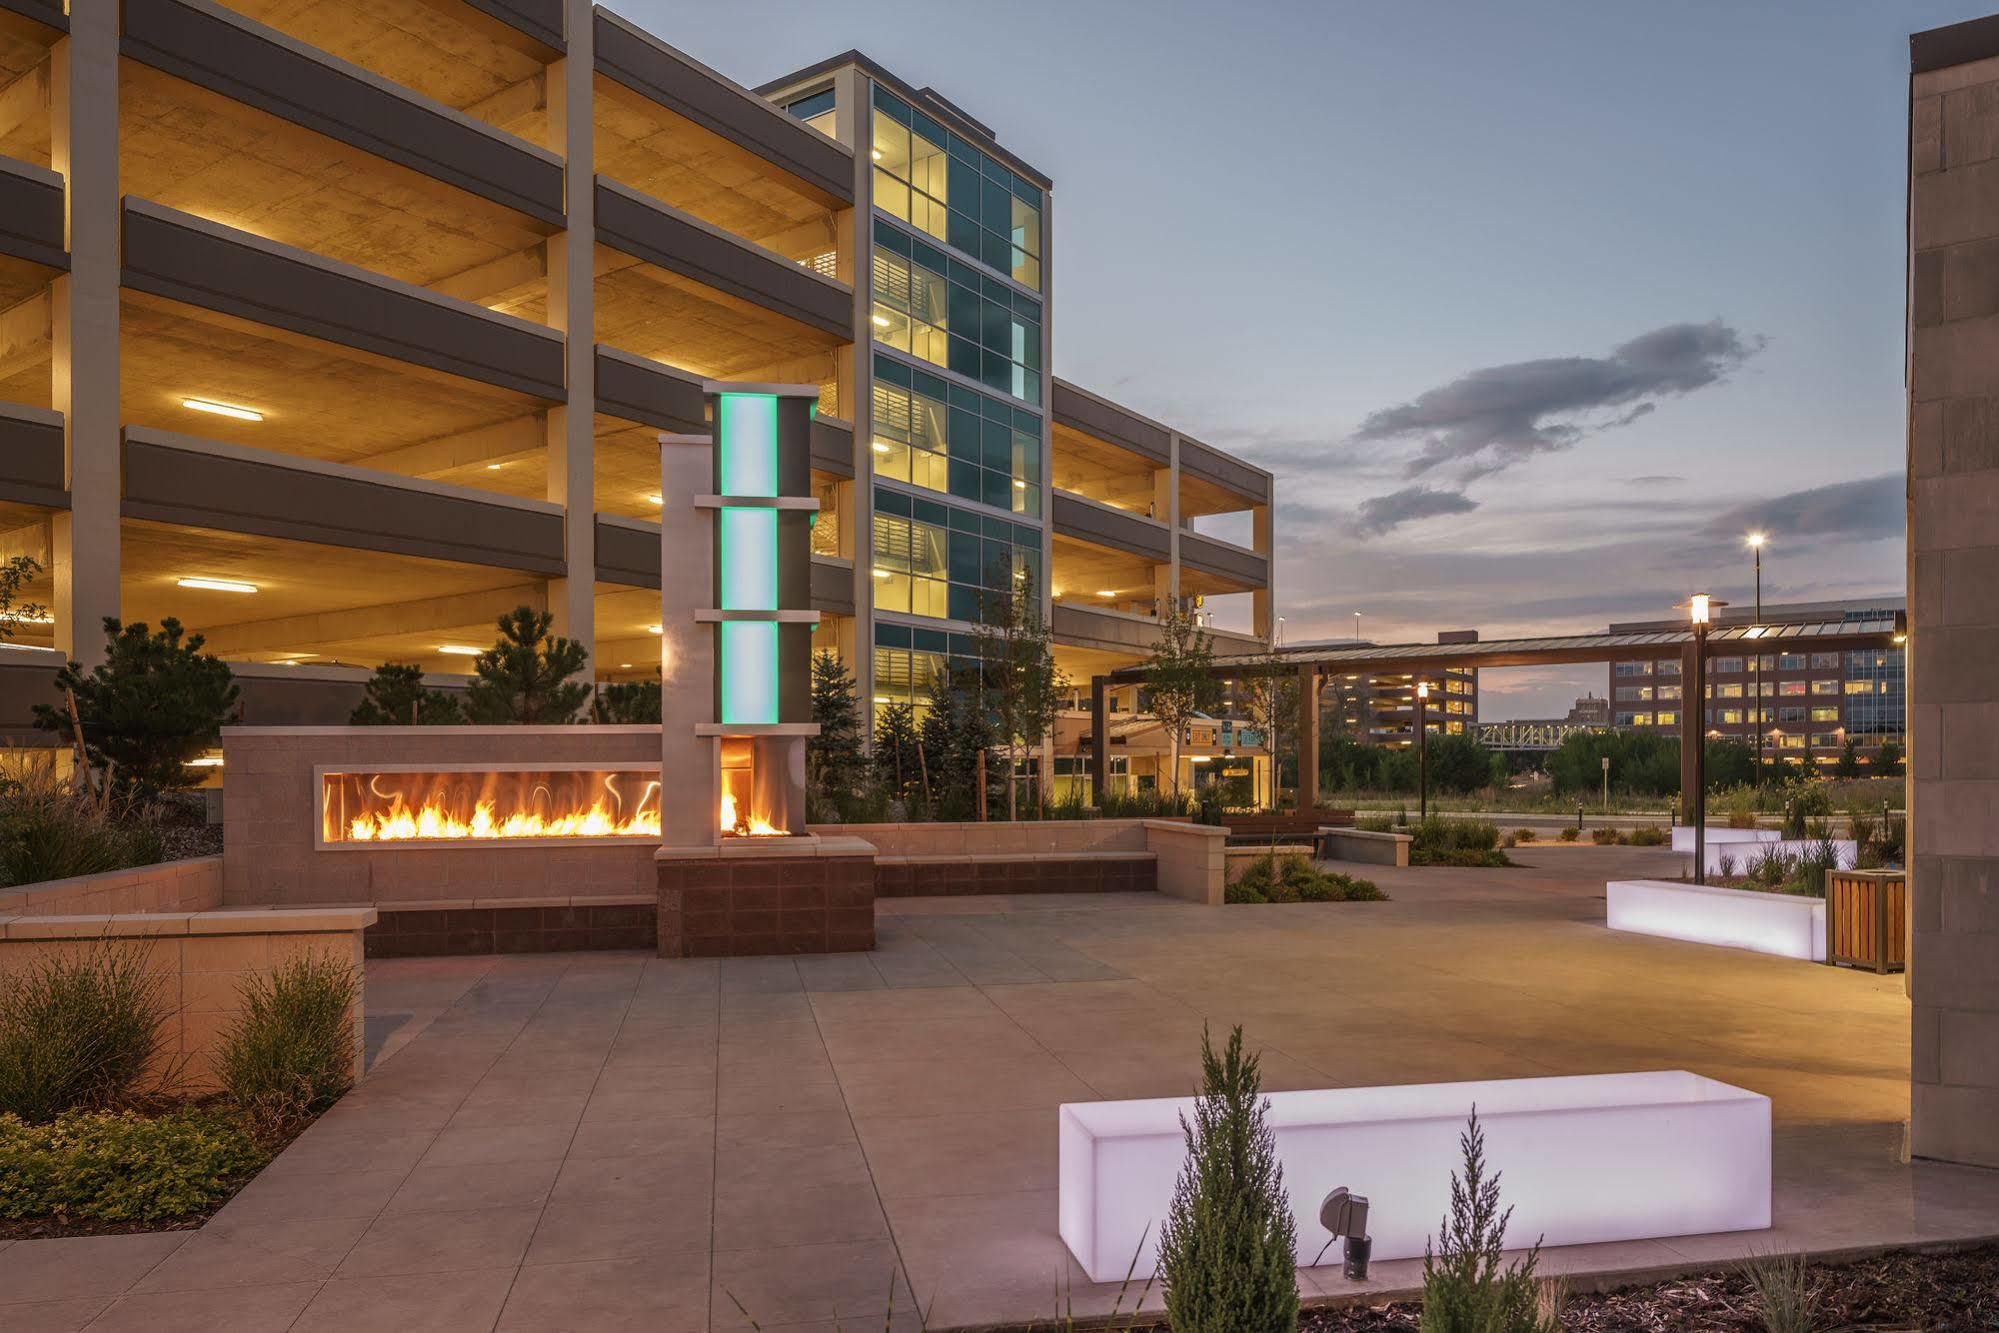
749, 559
748, 668
746, 437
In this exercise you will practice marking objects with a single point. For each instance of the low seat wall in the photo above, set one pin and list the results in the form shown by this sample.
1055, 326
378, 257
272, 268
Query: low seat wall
1366, 846
1175, 857
1590, 1158
1026, 872
193, 885
464, 926
199, 962
1784, 924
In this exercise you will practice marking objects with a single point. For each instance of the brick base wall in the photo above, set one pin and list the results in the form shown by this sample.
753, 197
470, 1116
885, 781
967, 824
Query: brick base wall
433, 931
742, 906
1102, 873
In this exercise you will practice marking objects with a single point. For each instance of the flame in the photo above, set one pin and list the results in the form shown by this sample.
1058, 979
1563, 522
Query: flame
432, 822
753, 827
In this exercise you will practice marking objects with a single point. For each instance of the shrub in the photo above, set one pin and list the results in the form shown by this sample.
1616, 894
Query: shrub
52, 828
121, 1167
1605, 836
1294, 880
290, 1053
1456, 842
77, 1031
1570, 833
1650, 835
1724, 865
1228, 1250
1523, 835
1464, 1288
1510, 840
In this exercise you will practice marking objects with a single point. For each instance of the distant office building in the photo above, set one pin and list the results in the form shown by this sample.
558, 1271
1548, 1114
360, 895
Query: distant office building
1591, 711
1803, 702
1381, 709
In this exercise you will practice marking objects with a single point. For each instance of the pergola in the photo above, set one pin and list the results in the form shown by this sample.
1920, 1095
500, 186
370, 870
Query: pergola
1316, 661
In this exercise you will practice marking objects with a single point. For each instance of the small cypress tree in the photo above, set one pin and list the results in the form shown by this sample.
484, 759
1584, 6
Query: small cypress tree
1464, 1289
396, 697
1228, 1253
154, 702
525, 676
1848, 765
835, 765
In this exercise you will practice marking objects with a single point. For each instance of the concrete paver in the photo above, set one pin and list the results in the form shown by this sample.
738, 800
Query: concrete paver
605, 1141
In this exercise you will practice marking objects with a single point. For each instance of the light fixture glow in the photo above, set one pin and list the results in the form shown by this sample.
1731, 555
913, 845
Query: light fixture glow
220, 409
458, 650
655, 499
1019, 485
1785, 924
1756, 539
1697, 608
205, 761
652, 629
494, 467
217, 585
877, 153
880, 448
881, 321
1106, 592
881, 573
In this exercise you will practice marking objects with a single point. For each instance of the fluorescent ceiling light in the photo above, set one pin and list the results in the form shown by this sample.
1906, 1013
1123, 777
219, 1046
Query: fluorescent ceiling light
458, 650
1106, 592
220, 409
217, 585
880, 573
880, 448
494, 467
652, 629
1020, 485
656, 498
881, 321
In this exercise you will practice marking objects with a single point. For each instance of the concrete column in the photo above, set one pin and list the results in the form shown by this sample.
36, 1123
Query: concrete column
1100, 739
1166, 508
1308, 738
1953, 499
1263, 601
572, 310
83, 323
852, 125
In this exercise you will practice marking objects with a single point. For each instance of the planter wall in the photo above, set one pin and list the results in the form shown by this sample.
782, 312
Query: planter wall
1603, 1157
1784, 924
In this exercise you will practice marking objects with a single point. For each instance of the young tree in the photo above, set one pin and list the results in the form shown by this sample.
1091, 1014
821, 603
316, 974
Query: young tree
16, 572
1269, 695
1848, 764
525, 676
629, 703
154, 702
1464, 1288
1025, 694
1228, 1249
1888, 760
396, 697
834, 762
1178, 678
896, 746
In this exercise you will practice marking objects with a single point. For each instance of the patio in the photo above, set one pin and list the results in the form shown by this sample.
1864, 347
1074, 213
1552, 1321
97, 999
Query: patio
598, 1141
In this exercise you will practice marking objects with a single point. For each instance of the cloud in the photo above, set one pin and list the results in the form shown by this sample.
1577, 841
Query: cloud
1866, 509
1663, 479
1384, 512
1498, 416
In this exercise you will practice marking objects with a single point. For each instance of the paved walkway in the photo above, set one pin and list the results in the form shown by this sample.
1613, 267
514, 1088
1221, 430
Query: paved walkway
607, 1141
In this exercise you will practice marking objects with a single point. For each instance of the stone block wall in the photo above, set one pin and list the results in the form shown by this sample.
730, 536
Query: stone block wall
1953, 497
193, 885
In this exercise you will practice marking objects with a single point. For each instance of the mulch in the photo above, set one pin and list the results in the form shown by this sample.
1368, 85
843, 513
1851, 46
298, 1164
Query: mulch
1902, 1292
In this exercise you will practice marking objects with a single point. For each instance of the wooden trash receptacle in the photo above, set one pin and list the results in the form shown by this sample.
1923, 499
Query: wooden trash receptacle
1867, 919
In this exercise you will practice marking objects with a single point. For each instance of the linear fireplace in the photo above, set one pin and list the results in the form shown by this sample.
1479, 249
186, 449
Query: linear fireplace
481, 805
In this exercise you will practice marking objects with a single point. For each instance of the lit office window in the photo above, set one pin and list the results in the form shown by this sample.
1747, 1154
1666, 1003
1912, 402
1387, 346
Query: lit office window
952, 562
945, 437
815, 109
944, 311
941, 183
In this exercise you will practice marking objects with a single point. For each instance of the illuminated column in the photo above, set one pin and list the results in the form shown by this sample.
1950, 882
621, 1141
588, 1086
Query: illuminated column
735, 597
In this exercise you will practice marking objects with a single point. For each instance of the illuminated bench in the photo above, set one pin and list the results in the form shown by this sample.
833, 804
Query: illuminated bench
1784, 924
1599, 1157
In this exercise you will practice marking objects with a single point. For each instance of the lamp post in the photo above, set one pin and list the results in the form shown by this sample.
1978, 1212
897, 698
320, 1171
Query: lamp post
1756, 540
1356, 627
1423, 749
1700, 610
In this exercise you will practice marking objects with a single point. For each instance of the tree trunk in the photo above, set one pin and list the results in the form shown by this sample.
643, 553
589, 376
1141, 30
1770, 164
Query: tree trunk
1176, 763
1012, 780
979, 781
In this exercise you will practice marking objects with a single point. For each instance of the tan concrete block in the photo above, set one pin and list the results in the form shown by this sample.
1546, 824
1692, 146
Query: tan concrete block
227, 953
1925, 135
1925, 1066
212, 992
1955, 1124
1967, 1048
1954, 970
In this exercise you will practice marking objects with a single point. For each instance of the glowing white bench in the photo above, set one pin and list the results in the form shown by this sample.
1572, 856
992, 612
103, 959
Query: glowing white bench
1597, 1157
1683, 835
1786, 924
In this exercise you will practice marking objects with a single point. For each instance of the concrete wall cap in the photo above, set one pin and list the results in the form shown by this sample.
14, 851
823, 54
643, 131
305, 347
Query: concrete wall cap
280, 920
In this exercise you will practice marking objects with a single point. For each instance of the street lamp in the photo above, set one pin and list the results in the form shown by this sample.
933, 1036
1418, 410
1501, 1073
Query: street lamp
1423, 748
1700, 611
1756, 540
1356, 627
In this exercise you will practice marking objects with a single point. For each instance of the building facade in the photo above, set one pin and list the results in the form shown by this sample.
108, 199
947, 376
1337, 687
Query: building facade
1380, 709
335, 332
1801, 702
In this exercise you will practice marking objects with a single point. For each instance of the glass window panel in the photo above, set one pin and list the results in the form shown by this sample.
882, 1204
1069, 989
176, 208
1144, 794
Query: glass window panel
966, 429
964, 358
999, 489
892, 371
1024, 225
965, 482
963, 603
890, 144
997, 448
891, 502
965, 312
1026, 269
996, 205
889, 102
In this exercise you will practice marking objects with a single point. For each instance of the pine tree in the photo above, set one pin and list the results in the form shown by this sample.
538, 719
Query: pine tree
1848, 765
835, 764
525, 676
16, 572
1464, 1288
396, 697
155, 702
629, 703
895, 748
1228, 1253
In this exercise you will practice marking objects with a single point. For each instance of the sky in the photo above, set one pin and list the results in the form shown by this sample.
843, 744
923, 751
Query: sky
1534, 309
